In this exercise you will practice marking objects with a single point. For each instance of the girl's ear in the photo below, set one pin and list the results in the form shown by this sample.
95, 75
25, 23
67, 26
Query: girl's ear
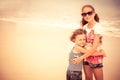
95, 13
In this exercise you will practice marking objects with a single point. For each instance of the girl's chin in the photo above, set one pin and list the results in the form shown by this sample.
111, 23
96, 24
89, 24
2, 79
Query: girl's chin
89, 20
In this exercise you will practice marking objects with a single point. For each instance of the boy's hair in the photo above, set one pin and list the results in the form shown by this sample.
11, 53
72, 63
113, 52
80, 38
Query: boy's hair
77, 32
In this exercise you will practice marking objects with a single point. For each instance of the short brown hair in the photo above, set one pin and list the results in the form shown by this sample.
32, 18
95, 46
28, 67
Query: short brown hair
77, 32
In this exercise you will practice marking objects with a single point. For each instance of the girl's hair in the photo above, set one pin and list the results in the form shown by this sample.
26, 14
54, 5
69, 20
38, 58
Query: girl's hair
77, 32
96, 15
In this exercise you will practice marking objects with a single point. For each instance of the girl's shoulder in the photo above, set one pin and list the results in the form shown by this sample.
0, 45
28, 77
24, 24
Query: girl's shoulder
97, 25
85, 26
98, 29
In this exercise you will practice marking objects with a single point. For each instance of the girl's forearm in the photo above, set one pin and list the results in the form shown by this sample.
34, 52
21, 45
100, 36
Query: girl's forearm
88, 53
100, 52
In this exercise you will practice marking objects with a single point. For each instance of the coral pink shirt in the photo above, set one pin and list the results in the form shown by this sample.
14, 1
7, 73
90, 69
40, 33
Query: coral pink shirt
96, 29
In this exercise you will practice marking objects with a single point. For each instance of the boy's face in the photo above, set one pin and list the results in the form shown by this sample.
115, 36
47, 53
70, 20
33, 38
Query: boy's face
80, 39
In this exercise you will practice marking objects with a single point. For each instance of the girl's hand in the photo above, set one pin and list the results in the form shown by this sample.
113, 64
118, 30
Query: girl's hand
100, 52
76, 60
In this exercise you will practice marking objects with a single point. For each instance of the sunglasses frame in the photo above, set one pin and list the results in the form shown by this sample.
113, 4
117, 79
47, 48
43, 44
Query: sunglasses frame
88, 13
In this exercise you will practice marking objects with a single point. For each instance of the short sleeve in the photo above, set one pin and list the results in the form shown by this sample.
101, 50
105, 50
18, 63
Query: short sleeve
98, 29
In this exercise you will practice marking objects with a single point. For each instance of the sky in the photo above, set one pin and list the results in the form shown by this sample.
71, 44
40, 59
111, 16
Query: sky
21, 8
55, 12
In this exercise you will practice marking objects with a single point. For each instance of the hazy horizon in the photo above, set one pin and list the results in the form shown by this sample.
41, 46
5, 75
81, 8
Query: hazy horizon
60, 13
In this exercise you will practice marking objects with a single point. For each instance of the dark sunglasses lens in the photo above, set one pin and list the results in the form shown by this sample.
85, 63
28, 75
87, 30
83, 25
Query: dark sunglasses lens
89, 13
83, 14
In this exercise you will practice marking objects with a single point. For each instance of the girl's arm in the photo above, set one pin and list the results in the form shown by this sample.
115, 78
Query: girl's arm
84, 50
90, 51
100, 52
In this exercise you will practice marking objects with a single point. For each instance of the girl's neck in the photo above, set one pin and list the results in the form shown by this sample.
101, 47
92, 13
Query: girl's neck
91, 24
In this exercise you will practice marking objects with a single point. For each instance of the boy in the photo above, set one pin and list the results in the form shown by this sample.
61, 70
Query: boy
74, 72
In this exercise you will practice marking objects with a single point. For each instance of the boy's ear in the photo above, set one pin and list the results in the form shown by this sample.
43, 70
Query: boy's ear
73, 40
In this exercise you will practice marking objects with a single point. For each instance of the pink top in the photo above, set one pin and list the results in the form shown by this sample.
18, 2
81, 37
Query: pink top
97, 29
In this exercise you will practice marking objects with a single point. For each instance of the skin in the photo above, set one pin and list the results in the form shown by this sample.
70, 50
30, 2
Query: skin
80, 40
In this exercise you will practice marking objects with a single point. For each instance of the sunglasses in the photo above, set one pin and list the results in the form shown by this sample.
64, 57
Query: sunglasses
85, 14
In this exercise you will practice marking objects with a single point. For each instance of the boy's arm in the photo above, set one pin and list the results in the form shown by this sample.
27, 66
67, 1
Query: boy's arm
81, 49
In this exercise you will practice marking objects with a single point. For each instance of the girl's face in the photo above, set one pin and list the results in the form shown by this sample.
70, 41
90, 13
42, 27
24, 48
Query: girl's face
80, 39
88, 14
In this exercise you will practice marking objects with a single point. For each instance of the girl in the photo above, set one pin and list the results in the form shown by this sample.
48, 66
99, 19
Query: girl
92, 64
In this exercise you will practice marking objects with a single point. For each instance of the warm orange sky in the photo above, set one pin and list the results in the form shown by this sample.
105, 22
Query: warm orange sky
59, 8
57, 12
